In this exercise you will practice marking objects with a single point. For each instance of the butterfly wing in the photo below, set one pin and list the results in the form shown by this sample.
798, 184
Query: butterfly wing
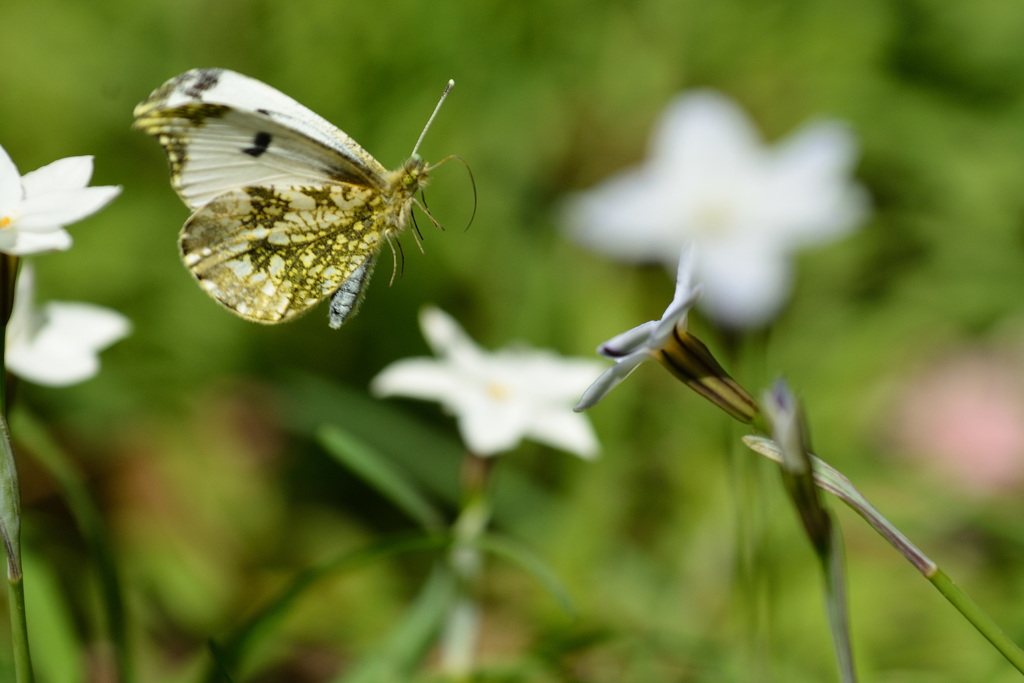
271, 253
222, 131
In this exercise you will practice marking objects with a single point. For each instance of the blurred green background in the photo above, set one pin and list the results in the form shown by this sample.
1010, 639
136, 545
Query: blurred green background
196, 438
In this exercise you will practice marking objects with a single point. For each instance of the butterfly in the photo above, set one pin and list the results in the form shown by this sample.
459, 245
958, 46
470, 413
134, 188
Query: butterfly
287, 209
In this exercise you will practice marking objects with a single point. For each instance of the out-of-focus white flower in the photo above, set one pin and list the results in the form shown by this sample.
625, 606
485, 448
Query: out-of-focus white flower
58, 345
668, 342
747, 207
34, 208
498, 398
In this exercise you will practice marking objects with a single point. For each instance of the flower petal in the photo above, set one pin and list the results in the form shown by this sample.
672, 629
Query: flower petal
424, 378
807, 190
10, 185
567, 431
686, 296
91, 327
446, 338
703, 130
72, 173
21, 243
611, 378
629, 341
58, 208
628, 217
745, 284
64, 349
489, 427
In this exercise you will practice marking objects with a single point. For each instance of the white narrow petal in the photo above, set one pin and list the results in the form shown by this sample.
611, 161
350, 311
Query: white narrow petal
52, 363
490, 427
55, 209
630, 217
10, 185
611, 378
64, 349
92, 327
629, 341
567, 431
808, 191
686, 296
72, 173
702, 130
424, 378
21, 243
545, 376
446, 337
20, 326
745, 285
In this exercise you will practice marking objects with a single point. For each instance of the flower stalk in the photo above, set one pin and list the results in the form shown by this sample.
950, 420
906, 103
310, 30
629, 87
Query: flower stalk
10, 534
828, 479
461, 632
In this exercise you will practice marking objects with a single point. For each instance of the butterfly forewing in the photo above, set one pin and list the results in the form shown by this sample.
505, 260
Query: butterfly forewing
222, 130
270, 253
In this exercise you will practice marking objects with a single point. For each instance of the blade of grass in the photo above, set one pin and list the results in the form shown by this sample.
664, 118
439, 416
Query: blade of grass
377, 471
90, 525
405, 648
232, 652
514, 551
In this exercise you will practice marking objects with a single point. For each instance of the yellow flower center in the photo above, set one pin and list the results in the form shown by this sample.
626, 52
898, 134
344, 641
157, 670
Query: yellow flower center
498, 391
714, 219
4, 221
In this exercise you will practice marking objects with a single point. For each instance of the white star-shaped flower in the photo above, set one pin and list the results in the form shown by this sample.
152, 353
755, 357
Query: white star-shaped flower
711, 181
58, 345
498, 398
34, 208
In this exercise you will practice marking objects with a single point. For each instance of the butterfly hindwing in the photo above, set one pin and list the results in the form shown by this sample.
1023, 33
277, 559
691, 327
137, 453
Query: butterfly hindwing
271, 253
222, 130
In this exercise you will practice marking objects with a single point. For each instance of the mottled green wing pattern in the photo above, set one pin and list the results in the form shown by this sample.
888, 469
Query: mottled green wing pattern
270, 253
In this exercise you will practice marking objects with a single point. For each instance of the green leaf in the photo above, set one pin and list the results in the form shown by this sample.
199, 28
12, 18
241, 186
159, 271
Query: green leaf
233, 650
833, 566
55, 645
375, 469
401, 654
514, 551
56, 461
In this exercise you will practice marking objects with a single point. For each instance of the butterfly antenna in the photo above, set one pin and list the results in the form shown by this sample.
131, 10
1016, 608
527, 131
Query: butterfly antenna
472, 181
447, 89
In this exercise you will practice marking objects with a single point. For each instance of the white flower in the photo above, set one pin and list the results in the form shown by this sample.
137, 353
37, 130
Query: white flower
35, 208
58, 344
668, 342
498, 398
710, 180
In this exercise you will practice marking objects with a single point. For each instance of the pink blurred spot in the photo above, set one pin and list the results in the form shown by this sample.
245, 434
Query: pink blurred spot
965, 417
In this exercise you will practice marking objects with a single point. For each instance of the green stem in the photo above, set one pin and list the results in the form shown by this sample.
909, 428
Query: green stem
978, 618
19, 630
462, 627
833, 481
10, 534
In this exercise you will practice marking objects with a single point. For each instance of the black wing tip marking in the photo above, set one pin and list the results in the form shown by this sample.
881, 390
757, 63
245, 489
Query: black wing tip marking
202, 80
